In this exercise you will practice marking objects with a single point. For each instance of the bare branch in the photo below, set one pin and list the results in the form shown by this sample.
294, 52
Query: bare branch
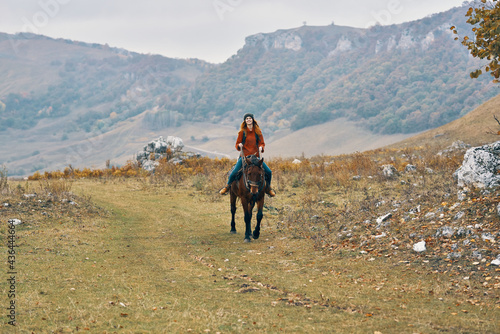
496, 119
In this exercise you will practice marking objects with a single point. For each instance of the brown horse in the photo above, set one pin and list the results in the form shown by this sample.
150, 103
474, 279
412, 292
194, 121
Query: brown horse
250, 189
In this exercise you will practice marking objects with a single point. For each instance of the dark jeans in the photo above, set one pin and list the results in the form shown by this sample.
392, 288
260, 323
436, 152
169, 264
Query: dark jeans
237, 167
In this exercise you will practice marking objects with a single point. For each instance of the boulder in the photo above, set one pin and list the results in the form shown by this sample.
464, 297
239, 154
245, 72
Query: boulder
480, 167
419, 247
389, 171
410, 168
171, 149
161, 146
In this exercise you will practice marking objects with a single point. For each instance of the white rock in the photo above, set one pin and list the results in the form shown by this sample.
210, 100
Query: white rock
389, 170
445, 231
430, 215
15, 222
150, 165
480, 167
410, 168
419, 246
383, 218
296, 161
175, 143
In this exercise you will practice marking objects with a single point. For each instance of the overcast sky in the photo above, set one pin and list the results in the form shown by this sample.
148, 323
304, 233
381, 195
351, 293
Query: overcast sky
212, 30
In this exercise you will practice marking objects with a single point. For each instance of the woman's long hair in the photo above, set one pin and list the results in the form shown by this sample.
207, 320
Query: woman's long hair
256, 128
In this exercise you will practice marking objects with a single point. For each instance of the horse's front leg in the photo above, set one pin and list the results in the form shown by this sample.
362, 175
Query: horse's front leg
247, 207
260, 205
233, 212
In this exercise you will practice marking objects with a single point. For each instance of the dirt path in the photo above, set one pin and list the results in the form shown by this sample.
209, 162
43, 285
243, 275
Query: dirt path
198, 275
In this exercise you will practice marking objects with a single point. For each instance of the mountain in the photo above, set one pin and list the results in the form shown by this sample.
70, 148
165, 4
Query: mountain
315, 90
389, 79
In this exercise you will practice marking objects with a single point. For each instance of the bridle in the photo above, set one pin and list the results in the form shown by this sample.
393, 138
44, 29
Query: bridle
248, 183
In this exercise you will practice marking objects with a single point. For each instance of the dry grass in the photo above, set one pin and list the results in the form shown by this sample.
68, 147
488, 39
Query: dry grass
157, 257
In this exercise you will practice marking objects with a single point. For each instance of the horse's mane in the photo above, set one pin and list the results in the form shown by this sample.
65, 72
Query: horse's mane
253, 159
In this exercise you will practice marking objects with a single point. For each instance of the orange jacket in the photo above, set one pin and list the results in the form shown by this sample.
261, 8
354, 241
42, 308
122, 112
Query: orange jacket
250, 145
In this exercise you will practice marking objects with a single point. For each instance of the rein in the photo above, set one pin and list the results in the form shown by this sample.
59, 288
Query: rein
259, 184
248, 183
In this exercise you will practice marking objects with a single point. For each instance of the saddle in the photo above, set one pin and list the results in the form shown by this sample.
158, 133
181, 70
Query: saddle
253, 161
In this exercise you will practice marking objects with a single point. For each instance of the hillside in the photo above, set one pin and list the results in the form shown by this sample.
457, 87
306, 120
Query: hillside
476, 128
95, 85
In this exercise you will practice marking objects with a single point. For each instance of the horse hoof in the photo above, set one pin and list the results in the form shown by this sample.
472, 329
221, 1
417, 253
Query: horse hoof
247, 240
256, 235
233, 231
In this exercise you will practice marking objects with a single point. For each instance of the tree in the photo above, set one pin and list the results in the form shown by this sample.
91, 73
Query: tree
485, 19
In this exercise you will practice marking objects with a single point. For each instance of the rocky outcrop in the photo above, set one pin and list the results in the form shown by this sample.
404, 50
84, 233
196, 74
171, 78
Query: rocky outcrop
406, 41
286, 40
343, 45
480, 167
169, 149
427, 41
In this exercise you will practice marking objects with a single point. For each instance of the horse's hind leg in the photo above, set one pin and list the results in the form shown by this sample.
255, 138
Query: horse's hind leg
233, 212
256, 232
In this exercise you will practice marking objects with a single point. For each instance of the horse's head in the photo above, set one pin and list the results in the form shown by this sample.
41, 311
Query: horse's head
254, 174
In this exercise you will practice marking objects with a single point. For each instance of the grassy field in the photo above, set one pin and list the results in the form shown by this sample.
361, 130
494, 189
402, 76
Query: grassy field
136, 255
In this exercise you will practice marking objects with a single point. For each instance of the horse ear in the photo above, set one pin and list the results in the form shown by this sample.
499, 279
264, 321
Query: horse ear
247, 160
261, 161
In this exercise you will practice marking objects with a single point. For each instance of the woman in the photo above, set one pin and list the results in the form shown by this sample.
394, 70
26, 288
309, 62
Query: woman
251, 141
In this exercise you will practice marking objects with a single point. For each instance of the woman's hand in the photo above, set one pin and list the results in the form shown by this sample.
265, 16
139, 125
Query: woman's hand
240, 145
